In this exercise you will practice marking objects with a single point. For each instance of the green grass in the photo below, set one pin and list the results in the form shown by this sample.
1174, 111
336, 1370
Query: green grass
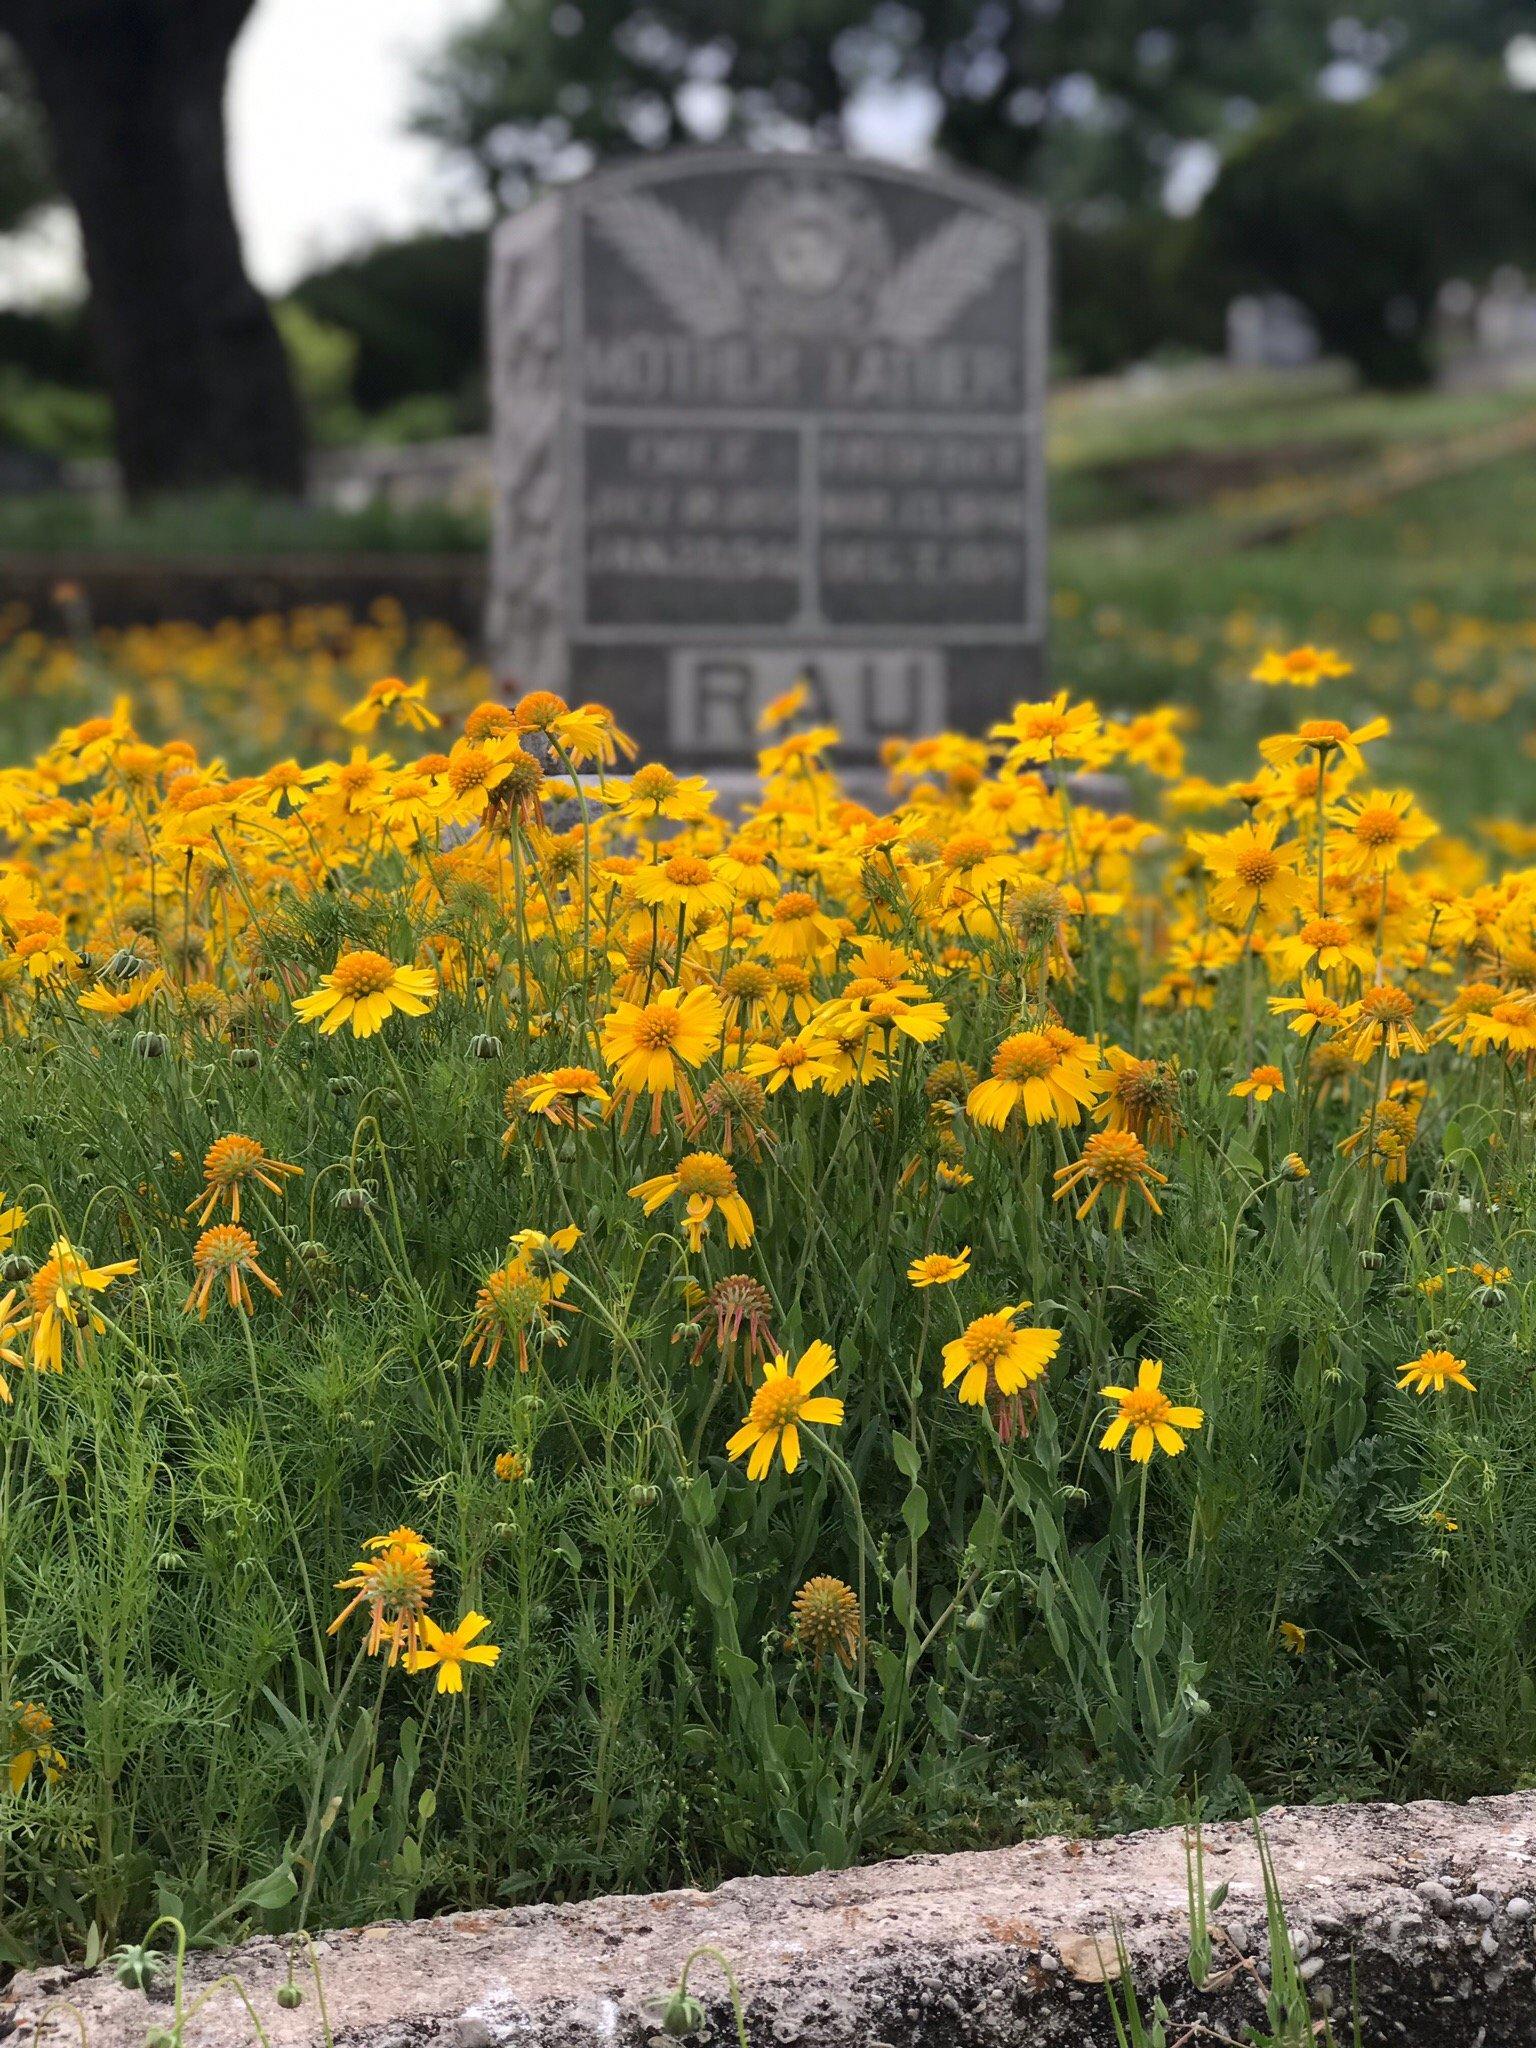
1429, 593
232, 523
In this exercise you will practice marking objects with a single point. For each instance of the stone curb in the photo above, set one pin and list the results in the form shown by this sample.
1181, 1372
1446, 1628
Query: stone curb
1423, 1914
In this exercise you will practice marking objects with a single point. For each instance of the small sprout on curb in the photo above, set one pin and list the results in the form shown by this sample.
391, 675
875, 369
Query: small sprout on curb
135, 1967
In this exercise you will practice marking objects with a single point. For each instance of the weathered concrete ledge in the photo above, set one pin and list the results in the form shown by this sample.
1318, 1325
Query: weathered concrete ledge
1434, 1905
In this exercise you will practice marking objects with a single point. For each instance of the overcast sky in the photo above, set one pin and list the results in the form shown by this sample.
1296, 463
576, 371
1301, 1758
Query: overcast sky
320, 156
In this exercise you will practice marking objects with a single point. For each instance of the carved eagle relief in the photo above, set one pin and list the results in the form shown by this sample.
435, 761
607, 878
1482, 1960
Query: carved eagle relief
688, 271
682, 265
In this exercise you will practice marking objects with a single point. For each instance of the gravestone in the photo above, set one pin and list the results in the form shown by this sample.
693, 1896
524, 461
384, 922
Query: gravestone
760, 418
1271, 331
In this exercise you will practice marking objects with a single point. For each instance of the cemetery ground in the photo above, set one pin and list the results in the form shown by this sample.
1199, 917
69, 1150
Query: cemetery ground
626, 1345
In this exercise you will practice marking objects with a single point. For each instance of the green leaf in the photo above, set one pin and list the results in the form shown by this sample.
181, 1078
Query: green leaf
901, 1598
792, 1828
914, 1512
713, 1574
908, 1460
832, 1846
278, 1888
733, 1665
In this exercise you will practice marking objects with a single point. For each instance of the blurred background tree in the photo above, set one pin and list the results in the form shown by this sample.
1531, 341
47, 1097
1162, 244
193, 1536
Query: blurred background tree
1364, 211
1087, 102
132, 92
1353, 155
26, 175
1319, 119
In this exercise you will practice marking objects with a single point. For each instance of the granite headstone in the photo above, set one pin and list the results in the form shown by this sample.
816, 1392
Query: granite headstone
760, 418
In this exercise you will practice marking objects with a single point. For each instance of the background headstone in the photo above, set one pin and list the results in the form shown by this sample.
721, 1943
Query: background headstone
759, 417
1271, 331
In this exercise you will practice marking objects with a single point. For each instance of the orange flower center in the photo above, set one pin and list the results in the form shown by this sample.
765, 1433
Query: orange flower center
573, 1080
469, 771
1145, 1407
657, 1028
1040, 725
512, 1294
966, 849
1116, 1156
1378, 826
1387, 1005
45, 1284
687, 871
231, 1159
795, 905
987, 1340
362, 974
538, 711
706, 1173
400, 1580
224, 1246
777, 1403
487, 720
1255, 866
653, 783
746, 982
1028, 1056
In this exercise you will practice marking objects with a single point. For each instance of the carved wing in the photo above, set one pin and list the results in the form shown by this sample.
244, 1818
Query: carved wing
678, 262
935, 283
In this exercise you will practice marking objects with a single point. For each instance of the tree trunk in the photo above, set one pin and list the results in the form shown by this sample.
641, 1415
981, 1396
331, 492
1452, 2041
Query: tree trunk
134, 94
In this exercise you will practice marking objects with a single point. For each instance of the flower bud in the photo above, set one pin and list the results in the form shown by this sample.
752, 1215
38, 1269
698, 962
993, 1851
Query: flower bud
244, 1056
339, 1085
150, 1045
1491, 1297
353, 1201
1436, 1200
1372, 1262
134, 1966
644, 1496
682, 2014
15, 1268
289, 1995
485, 1045
1293, 1167
1189, 1077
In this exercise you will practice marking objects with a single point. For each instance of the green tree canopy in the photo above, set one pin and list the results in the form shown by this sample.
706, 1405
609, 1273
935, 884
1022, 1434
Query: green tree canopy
1080, 99
1363, 211
26, 174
